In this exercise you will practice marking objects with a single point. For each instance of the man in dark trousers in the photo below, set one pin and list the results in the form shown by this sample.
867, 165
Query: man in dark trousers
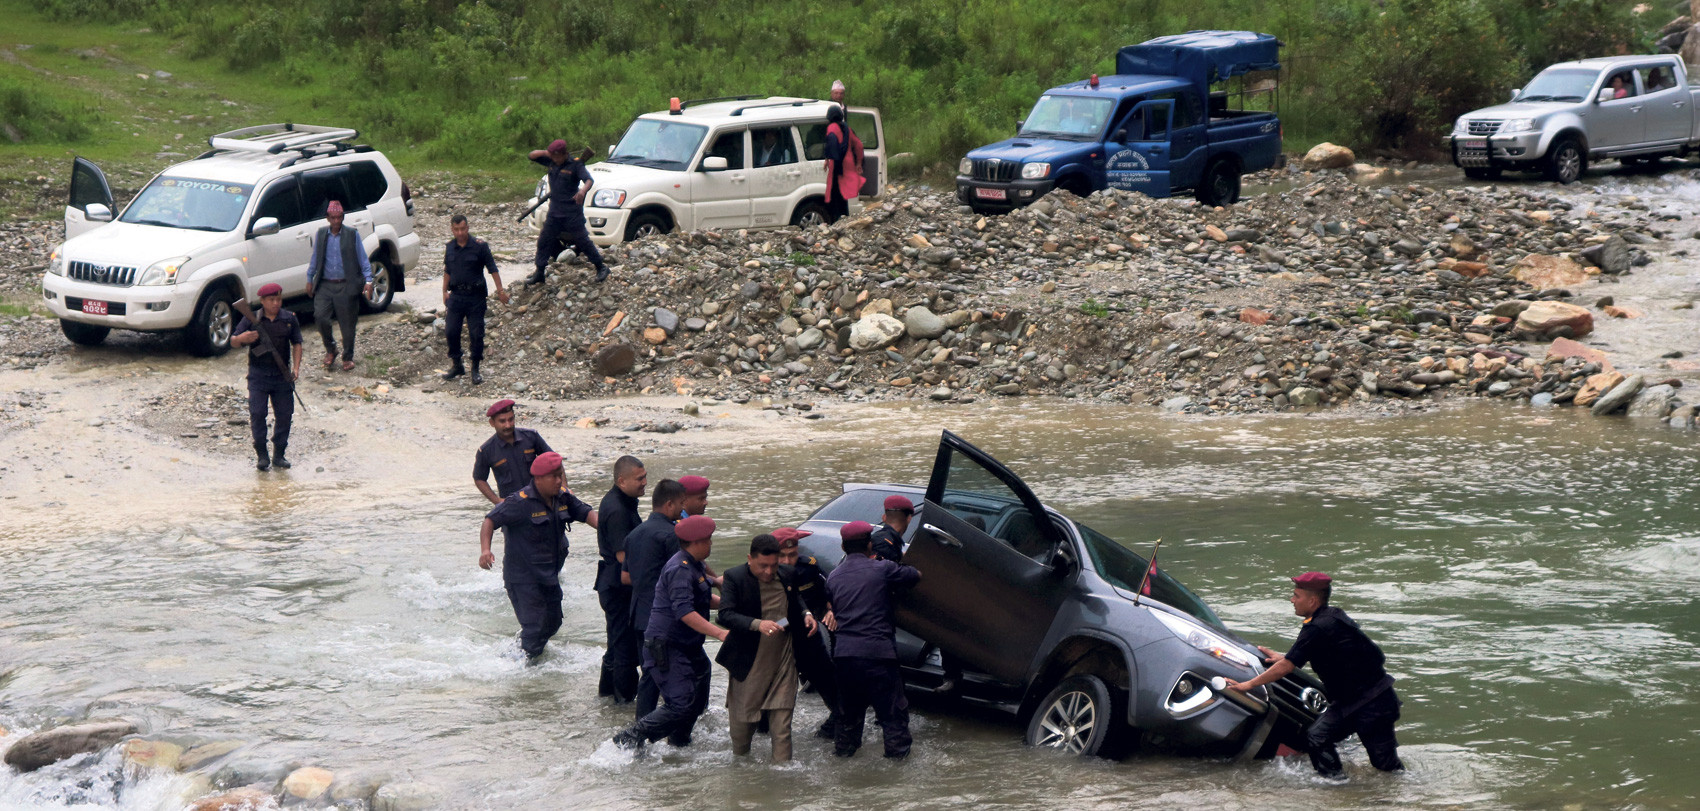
647, 550
465, 261
888, 536
672, 647
569, 183
534, 523
267, 382
765, 620
814, 661
508, 454
865, 645
333, 285
618, 516
1360, 692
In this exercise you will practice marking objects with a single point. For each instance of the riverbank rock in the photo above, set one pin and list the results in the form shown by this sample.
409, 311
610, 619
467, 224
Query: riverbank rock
242, 799
1546, 272
53, 745
141, 755
1653, 401
1619, 396
615, 360
1562, 348
406, 797
1328, 156
920, 322
1595, 386
1543, 317
206, 753
875, 332
308, 783
1611, 256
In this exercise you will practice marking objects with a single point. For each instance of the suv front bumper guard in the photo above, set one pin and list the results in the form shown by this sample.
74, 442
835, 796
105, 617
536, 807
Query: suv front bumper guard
1497, 151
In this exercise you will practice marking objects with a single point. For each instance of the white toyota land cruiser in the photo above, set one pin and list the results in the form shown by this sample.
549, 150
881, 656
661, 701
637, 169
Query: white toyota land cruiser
211, 230
742, 162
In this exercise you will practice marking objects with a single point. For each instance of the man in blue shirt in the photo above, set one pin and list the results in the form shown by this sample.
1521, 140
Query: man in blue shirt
678, 623
535, 522
865, 644
336, 253
569, 184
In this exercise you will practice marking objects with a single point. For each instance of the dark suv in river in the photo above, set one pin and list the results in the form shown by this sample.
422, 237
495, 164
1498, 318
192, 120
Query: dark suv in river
1043, 615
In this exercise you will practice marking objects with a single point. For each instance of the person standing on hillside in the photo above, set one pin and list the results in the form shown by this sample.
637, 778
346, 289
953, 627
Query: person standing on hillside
336, 253
569, 184
843, 164
267, 382
464, 295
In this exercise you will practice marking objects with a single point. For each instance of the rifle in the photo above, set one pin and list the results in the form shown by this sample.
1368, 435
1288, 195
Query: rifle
245, 311
583, 156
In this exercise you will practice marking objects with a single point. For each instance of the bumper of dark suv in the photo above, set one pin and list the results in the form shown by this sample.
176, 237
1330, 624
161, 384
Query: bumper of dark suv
1000, 195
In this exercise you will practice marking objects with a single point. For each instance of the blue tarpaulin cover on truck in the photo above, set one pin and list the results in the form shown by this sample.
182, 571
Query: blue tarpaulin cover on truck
1204, 57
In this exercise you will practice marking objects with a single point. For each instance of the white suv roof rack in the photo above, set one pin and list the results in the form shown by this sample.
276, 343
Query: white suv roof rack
275, 138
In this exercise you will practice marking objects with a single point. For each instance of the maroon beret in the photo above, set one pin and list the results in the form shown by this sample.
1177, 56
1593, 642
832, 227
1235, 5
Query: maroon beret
856, 529
899, 504
545, 463
271, 289
694, 529
498, 407
1313, 581
557, 145
788, 537
694, 484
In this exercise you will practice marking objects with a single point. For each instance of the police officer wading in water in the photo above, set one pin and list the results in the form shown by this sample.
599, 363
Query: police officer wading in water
464, 262
865, 649
534, 524
648, 548
618, 516
266, 381
569, 183
672, 649
508, 454
1360, 693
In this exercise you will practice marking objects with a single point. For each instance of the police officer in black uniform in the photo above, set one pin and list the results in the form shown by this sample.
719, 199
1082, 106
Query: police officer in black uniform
534, 524
267, 382
618, 516
648, 548
1360, 692
569, 184
672, 647
888, 536
464, 261
814, 661
508, 454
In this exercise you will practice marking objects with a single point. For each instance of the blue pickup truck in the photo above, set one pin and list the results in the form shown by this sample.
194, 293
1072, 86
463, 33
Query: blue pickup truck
1160, 125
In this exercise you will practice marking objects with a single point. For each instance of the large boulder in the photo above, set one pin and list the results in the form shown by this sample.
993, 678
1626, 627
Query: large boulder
53, 745
308, 783
1619, 396
1691, 46
1544, 272
614, 360
920, 322
1543, 317
1653, 401
1328, 156
875, 332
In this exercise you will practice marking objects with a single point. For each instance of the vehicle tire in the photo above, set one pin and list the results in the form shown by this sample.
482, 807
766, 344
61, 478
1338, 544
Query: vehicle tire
1076, 185
208, 333
646, 224
383, 288
1220, 185
1478, 173
1566, 161
84, 334
1076, 717
809, 214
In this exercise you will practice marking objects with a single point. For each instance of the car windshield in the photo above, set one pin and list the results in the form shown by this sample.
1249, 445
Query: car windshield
198, 205
1124, 569
1068, 117
659, 144
1565, 84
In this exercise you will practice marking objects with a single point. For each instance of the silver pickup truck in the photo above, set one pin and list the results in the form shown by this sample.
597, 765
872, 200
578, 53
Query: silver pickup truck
1629, 108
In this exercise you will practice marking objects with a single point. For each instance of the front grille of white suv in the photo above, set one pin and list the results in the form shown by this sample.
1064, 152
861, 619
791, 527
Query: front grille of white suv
101, 274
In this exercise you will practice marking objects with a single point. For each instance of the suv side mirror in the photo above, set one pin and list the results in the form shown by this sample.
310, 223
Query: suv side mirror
98, 212
1606, 94
1514, 92
1121, 135
611, 150
714, 163
1019, 123
263, 227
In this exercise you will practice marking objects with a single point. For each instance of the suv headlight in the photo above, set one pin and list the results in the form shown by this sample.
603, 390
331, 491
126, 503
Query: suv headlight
1461, 127
1208, 641
542, 188
965, 166
1517, 125
163, 272
56, 262
608, 198
1035, 171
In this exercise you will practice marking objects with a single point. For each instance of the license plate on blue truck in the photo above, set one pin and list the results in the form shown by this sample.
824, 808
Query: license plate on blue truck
991, 194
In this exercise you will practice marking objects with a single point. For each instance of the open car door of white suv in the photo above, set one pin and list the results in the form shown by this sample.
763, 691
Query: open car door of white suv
90, 203
865, 121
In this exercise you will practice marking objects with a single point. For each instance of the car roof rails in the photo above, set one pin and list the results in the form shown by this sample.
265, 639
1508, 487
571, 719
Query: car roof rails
272, 139
317, 151
797, 103
692, 102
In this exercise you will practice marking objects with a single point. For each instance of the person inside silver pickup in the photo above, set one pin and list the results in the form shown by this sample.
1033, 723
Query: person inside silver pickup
1656, 79
1622, 86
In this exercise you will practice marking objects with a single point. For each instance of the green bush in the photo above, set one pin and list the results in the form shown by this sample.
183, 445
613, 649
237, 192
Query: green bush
32, 117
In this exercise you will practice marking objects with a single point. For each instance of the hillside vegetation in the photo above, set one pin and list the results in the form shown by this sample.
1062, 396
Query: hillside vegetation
469, 84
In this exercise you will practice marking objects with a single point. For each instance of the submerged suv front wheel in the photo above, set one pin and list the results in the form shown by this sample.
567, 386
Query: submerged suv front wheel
1077, 717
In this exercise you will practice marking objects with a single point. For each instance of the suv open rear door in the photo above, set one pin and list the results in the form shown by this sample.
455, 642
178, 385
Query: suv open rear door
88, 189
988, 593
865, 122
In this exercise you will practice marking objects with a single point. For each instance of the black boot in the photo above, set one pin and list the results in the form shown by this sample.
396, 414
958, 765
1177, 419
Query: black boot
602, 273
265, 459
476, 377
278, 458
454, 371
536, 277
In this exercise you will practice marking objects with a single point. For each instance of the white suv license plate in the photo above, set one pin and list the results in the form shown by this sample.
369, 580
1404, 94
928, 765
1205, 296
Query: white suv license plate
991, 194
94, 307
1473, 143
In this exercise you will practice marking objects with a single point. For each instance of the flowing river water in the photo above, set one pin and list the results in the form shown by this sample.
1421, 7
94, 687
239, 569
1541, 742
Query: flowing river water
1530, 574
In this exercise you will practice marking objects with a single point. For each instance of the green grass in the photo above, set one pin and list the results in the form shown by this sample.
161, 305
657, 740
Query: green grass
1095, 308
801, 258
11, 310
